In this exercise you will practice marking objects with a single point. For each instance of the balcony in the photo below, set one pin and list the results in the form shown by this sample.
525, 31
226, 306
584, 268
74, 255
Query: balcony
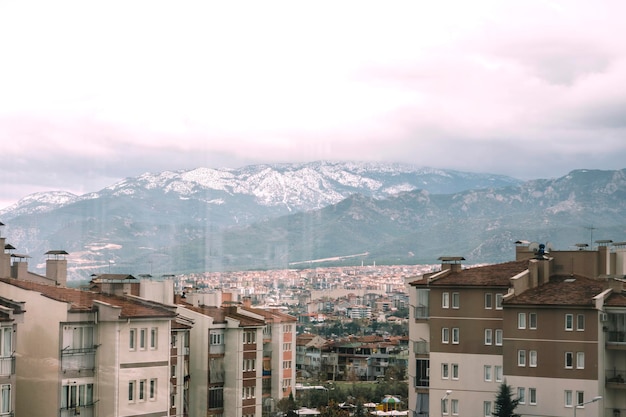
421, 347
82, 411
616, 378
421, 312
421, 381
78, 359
7, 366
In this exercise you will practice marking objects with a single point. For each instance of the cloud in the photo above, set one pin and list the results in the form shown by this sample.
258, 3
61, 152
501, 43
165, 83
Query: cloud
95, 93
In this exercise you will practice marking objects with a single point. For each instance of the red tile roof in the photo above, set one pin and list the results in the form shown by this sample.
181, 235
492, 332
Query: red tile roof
496, 275
84, 300
564, 290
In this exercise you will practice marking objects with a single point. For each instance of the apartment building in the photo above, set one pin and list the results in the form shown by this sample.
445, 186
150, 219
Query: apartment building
76, 348
548, 324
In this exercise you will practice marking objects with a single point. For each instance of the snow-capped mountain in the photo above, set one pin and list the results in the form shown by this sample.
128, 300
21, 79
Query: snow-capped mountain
272, 216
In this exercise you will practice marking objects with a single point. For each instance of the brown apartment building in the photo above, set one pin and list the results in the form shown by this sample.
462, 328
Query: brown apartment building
549, 324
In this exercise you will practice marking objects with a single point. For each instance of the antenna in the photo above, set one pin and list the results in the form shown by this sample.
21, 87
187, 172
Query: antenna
591, 229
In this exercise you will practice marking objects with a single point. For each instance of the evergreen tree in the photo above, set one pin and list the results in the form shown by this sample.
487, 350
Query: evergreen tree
505, 404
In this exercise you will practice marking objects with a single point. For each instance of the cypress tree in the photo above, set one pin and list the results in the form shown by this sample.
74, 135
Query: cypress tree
505, 404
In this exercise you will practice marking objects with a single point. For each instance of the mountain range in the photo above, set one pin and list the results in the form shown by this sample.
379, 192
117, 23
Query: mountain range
321, 213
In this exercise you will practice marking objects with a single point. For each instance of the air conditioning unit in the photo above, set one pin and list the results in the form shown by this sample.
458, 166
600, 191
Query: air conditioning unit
604, 317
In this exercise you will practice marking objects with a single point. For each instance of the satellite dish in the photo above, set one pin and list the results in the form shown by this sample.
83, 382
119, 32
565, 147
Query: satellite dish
549, 247
534, 247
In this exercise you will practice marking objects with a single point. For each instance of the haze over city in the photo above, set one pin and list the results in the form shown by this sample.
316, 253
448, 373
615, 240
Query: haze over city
94, 93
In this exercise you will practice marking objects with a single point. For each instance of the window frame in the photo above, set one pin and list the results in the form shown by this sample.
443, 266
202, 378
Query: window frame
498, 373
569, 358
454, 407
521, 358
532, 358
445, 299
580, 360
499, 299
456, 336
445, 335
487, 375
455, 300
488, 301
454, 371
498, 335
532, 321
488, 337
568, 395
521, 321
521, 395
580, 322
569, 322
445, 371
532, 396
487, 409
444, 406
132, 339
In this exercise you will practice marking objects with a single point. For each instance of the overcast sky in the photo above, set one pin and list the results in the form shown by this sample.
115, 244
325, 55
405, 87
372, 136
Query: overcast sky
91, 93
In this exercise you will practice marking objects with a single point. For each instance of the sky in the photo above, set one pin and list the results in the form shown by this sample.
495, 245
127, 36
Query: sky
94, 92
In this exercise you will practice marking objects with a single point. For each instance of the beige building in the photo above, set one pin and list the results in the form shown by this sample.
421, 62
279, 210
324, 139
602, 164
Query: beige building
549, 324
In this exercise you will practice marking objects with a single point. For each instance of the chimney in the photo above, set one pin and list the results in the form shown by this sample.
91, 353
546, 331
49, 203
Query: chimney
604, 257
453, 263
247, 302
56, 267
5, 259
19, 268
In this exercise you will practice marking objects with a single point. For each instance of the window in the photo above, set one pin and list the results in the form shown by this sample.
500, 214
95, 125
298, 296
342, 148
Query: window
521, 395
142, 390
532, 396
444, 406
131, 391
580, 360
532, 358
569, 322
521, 320
569, 360
488, 300
498, 337
217, 338
153, 388
286, 346
499, 301
216, 397
445, 300
7, 346
445, 335
580, 398
73, 395
487, 409
249, 365
487, 372
580, 322
153, 338
521, 358
444, 371
455, 335
142, 338
455, 300
249, 337
488, 336
455, 407
5, 399
498, 371
132, 339
249, 392
568, 398
455, 371
286, 364
532, 320
287, 328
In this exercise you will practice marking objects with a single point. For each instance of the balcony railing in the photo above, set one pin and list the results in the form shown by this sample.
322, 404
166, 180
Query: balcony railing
616, 378
422, 381
7, 366
421, 312
78, 359
421, 347
82, 411
616, 337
